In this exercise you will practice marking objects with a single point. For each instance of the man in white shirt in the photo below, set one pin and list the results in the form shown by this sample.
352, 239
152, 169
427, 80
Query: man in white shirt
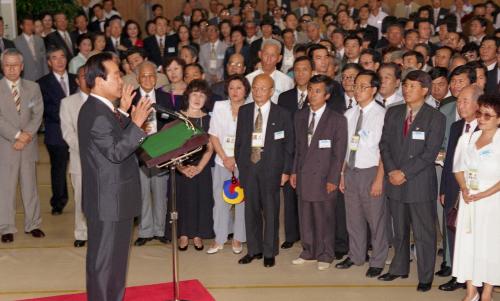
109, 10
376, 15
390, 80
70, 107
288, 43
269, 58
363, 178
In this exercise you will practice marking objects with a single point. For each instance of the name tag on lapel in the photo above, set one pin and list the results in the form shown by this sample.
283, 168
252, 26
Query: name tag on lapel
171, 49
220, 57
418, 135
325, 143
279, 135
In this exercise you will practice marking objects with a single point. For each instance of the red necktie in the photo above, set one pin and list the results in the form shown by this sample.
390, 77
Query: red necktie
407, 124
118, 116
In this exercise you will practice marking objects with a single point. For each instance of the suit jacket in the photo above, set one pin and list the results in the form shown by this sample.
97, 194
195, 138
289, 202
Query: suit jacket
414, 157
277, 157
153, 48
7, 44
29, 120
492, 81
96, 26
450, 112
443, 12
311, 12
53, 93
163, 100
54, 39
337, 101
400, 10
34, 67
315, 166
204, 58
110, 47
111, 190
70, 107
449, 185
290, 101
371, 32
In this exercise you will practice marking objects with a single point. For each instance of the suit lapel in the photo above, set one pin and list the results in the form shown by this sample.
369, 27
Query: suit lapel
8, 107
271, 124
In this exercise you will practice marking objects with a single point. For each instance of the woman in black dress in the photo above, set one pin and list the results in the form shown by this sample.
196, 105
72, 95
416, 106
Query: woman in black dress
194, 186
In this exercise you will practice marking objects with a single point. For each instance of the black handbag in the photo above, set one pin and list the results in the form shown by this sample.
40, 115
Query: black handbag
451, 216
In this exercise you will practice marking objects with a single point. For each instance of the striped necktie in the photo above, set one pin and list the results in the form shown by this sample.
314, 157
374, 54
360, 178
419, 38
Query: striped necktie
17, 98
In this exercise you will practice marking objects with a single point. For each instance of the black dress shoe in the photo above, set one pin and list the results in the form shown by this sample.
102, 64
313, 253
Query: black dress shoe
249, 258
141, 241
162, 239
391, 277
199, 248
9, 237
451, 285
373, 272
56, 211
269, 262
444, 272
424, 287
183, 248
79, 243
36, 233
340, 255
287, 245
347, 263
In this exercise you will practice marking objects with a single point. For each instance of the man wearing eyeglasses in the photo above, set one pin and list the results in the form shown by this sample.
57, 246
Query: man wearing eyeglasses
411, 138
235, 65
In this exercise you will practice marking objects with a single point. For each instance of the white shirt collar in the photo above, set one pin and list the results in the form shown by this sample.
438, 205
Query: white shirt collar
151, 93
106, 101
58, 76
265, 108
368, 107
12, 83
319, 111
27, 37
491, 66
83, 95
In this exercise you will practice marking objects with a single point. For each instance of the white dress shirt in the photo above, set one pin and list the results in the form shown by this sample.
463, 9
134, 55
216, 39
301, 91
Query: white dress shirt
491, 66
390, 101
368, 152
376, 21
317, 117
473, 125
282, 83
265, 116
66, 81
288, 59
151, 122
223, 126
350, 100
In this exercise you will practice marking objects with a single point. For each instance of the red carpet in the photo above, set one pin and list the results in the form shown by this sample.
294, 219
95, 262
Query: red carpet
191, 290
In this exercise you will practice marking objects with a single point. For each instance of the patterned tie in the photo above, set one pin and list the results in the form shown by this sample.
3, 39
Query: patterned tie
213, 54
31, 45
162, 47
117, 43
467, 127
17, 98
301, 100
63, 85
310, 128
407, 124
352, 154
255, 155
350, 104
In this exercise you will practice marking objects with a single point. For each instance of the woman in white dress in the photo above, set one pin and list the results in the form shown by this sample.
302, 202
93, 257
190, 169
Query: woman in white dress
477, 170
222, 135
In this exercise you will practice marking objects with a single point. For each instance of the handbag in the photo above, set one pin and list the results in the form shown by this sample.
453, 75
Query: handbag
232, 193
451, 216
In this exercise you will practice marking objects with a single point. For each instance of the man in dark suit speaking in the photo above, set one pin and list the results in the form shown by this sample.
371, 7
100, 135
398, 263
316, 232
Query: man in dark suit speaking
111, 192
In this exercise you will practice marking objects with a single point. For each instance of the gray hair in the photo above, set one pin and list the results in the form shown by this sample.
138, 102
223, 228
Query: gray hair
476, 91
146, 64
315, 24
11, 52
273, 42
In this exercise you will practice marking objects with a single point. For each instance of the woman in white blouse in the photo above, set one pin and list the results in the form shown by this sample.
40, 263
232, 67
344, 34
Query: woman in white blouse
477, 170
222, 135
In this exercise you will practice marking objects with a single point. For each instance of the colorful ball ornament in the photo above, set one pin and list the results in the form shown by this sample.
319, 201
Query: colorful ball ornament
232, 193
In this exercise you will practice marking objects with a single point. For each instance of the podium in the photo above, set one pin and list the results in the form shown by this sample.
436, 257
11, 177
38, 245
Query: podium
175, 143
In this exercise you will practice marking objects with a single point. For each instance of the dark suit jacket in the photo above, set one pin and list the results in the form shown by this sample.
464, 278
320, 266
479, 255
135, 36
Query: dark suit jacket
153, 48
492, 81
110, 173
54, 39
447, 100
52, 94
317, 166
95, 26
449, 185
337, 101
7, 44
277, 156
110, 47
371, 32
162, 99
443, 12
290, 101
415, 158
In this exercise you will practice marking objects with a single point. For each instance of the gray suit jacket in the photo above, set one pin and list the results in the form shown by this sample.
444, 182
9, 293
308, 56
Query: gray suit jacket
68, 112
34, 68
110, 172
414, 157
204, 56
11, 122
316, 166
450, 112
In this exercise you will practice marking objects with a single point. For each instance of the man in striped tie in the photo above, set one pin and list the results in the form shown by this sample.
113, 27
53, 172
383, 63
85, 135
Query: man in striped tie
21, 111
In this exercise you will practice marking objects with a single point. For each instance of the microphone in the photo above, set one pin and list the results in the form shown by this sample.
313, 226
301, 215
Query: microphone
166, 113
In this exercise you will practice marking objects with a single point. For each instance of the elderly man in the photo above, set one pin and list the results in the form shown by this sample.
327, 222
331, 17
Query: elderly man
235, 65
20, 118
135, 57
264, 154
270, 56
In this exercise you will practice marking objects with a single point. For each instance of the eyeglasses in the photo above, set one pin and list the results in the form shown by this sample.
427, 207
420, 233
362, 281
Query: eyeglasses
346, 77
486, 116
236, 64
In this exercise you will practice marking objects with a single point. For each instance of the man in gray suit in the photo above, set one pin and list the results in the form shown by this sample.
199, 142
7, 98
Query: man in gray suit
111, 191
70, 107
212, 55
21, 110
33, 49
320, 146
412, 136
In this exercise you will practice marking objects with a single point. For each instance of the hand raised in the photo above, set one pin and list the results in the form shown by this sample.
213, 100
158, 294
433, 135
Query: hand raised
128, 95
141, 112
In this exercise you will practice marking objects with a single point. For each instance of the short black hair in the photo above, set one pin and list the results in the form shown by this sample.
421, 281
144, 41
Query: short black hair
195, 65
490, 101
354, 66
420, 21
155, 6
82, 37
491, 38
471, 46
353, 37
446, 48
417, 55
192, 49
303, 58
438, 72
422, 77
481, 21
477, 65
410, 31
136, 50
376, 56
196, 85
240, 29
238, 77
95, 68
314, 47
395, 67
172, 59
374, 78
464, 69
320, 78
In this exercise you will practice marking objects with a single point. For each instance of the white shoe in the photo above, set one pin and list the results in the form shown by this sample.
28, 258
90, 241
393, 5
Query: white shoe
388, 261
299, 261
238, 250
476, 298
215, 249
323, 266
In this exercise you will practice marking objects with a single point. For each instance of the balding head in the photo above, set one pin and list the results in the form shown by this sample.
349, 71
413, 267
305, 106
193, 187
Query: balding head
146, 75
262, 89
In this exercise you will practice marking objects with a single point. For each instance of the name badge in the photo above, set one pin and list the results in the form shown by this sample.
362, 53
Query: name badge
353, 145
31, 104
171, 49
220, 57
279, 135
364, 133
257, 140
485, 153
473, 179
325, 143
228, 145
212, 64
417, 135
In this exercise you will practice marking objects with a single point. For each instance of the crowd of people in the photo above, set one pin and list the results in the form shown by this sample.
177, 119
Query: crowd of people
378, 126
